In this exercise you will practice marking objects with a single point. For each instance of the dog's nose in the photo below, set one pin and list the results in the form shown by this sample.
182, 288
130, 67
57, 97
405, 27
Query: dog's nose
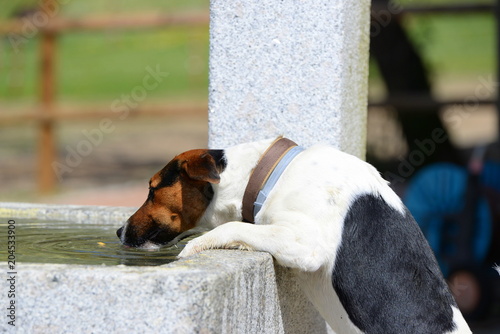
119, 232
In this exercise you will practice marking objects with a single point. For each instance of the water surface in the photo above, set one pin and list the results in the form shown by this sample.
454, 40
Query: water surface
41, 241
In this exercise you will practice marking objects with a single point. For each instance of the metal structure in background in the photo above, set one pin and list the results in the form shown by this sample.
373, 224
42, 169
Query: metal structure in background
424, 102
49, 113
455, 204
409, 86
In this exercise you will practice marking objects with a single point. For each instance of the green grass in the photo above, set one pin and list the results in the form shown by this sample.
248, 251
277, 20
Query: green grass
77, 8
458, 45
103, 65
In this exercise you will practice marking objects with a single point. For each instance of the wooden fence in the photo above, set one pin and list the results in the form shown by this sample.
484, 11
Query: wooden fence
47, 28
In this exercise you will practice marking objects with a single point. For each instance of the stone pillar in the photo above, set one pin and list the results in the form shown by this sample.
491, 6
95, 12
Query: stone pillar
297, 68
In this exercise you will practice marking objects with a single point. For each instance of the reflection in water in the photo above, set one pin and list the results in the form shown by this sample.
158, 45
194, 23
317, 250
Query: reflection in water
41, 241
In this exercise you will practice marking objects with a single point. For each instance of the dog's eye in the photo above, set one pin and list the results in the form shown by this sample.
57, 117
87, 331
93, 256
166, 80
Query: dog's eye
173, 217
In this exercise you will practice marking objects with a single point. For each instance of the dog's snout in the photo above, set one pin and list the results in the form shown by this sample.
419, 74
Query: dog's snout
119, 232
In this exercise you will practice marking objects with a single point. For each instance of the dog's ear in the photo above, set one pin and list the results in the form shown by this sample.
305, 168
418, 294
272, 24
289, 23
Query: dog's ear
201, 167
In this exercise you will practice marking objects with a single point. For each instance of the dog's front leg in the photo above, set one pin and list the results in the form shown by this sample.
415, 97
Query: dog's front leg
290, 247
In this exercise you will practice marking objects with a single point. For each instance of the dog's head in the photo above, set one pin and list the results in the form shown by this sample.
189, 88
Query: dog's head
178, 196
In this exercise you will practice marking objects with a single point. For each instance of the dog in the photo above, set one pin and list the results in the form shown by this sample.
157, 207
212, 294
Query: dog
354, 248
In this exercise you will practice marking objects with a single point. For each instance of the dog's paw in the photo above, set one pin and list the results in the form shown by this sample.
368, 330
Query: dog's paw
192, 247
212, 240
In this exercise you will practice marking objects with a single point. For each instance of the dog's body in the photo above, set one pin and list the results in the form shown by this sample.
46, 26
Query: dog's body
356, 250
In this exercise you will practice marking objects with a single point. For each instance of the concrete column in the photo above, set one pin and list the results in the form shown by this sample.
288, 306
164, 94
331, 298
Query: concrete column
296, 67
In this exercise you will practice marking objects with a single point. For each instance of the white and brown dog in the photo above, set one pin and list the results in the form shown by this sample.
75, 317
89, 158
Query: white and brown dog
356, 250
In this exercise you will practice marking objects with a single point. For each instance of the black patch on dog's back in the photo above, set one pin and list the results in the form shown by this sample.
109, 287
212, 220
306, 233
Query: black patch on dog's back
385, 274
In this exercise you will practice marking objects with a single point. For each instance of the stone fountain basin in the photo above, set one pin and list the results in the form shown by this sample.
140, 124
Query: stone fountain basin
217, 291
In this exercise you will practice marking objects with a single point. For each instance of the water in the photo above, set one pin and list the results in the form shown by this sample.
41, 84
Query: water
41, 241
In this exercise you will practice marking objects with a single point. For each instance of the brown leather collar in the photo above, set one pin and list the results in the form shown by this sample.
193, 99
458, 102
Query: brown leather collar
261, 173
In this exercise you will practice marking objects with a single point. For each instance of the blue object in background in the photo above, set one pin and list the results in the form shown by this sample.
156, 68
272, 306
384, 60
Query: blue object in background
437, 193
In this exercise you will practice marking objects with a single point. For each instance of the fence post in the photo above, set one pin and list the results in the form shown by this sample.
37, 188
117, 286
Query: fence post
46, 142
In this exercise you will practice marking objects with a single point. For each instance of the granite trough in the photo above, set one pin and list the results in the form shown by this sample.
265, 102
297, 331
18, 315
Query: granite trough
218, 291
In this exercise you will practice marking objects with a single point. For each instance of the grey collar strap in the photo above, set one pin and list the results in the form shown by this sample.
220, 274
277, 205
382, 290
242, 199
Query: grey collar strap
274, 177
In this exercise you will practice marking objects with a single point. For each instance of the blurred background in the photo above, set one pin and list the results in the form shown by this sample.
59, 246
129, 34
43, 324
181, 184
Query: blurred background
68, 65
97, 95
141, 66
